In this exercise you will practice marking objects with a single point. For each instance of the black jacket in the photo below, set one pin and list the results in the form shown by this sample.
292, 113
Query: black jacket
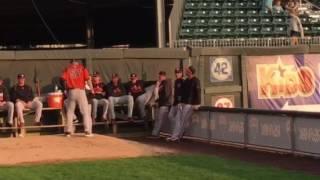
136, 89
165, 93
5, 94
192, 91
178, 91
115, 91
23, 93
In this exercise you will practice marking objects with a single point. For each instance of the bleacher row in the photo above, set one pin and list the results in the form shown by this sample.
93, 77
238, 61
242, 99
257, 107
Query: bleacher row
214, 19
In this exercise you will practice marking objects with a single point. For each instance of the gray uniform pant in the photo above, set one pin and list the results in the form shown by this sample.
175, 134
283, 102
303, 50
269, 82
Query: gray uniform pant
99, 102
34, 105
183, 116
141, 104
162, 115
9, 107
127, 99
78, 96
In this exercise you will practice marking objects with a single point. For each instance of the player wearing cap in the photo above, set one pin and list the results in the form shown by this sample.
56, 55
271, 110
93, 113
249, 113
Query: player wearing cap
99, 97
5, 103
191, 100
135, 87
23, 97
75, 77
163, 95
118, 95
174, 116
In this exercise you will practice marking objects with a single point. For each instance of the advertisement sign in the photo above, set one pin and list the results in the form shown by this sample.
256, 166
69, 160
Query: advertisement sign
286, 82
225, 101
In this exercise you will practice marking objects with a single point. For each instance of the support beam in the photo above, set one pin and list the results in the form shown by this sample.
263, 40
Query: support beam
161, 24
90, 29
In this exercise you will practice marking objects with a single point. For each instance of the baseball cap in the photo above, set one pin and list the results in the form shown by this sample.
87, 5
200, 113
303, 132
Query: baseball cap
114, 75
178, 70
95, 74
133, 75
163, 73
20, 76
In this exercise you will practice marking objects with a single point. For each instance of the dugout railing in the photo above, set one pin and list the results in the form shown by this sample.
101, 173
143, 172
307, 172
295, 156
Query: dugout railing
290, 132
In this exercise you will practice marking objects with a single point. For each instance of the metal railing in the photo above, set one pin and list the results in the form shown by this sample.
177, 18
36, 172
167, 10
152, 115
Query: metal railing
247, 42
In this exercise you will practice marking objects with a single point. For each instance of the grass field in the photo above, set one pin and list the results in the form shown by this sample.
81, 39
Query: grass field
165, 167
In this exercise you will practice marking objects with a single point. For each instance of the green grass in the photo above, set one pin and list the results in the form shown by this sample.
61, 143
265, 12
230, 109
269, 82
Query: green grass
149, 168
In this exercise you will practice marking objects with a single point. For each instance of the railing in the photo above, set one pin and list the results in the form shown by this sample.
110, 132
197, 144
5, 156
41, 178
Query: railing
175, 19
278, 131
247, 42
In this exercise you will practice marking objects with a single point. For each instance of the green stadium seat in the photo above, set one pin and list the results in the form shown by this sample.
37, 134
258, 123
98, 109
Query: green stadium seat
266, 20
265, 13
241, 5
241, 12
200, 32
228, 12
252, 12
280, 13
214, 32
228, 21
280, 30
215, 13
267, 31
279, 20
316, 30
241, 32
201, 22
216, 5
186, 33
254, 31
189, 14
214, 22
253, 20
202, 13
204, 6
191, 6
188, 23
305, 20
307, 31
229, 5
253, 4
241, 21
228, 32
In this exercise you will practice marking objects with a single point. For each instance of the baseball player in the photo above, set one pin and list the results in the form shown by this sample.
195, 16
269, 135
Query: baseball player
163, 94
23, 97
5, 103
191, 100
99, 97
174, 116
118, 95
136, 89
75, 77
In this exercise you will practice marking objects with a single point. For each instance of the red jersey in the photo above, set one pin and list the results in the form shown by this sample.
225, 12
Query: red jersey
75, 76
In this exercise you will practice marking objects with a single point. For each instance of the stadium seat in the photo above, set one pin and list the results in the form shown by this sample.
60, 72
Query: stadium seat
315, 30
200, 32
215, 13
227, 21
241, 21
241, 32
241, 12
307, 31
253, 21
280, 20
202, 13
267, 31
191, 6
228, 32
229, 5
188, 23
265, 13
252, 12
228, 12
214, 22
254, 31
186, 33
189, 14
216, 5
280, 31
201, 22
214, 32
266, 20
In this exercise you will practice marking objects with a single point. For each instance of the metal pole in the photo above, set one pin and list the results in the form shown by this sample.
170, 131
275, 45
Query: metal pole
161, 24
89, 29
